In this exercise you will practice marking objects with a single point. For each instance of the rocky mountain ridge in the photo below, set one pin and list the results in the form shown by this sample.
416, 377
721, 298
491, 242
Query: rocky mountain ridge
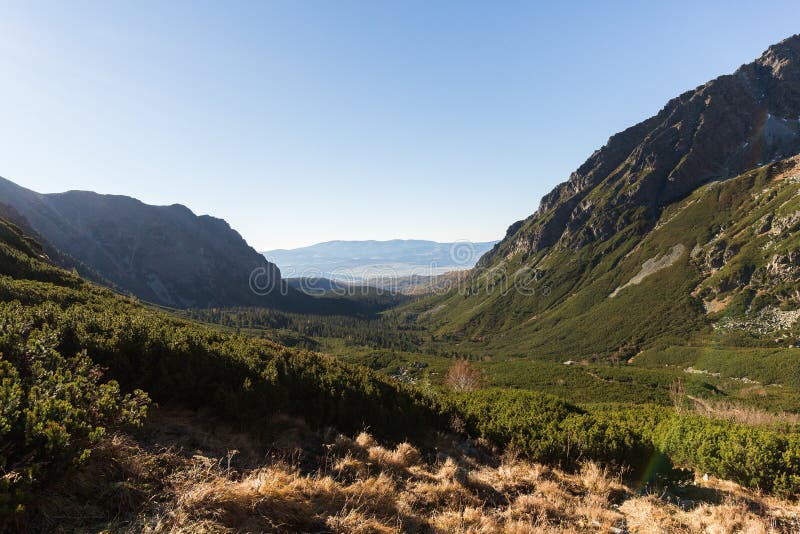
714, 132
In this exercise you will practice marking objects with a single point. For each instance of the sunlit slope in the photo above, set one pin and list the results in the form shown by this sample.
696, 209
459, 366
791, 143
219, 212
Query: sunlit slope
725, 258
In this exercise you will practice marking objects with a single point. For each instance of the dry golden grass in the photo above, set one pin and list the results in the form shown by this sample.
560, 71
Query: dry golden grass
366, 487
361, 486
747, 415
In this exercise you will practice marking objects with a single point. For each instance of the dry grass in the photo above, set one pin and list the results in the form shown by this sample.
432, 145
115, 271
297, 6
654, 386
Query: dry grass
361, 486
747, 415
369, 488
649, 515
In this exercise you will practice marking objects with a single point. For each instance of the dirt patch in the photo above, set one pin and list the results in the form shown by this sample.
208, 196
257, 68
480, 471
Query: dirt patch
653, 265
717, 305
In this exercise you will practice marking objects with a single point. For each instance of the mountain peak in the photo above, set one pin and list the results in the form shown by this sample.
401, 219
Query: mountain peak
783, 59
714, 132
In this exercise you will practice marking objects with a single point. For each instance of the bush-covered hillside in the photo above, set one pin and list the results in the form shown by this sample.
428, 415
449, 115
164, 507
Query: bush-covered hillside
80, 364
70, 349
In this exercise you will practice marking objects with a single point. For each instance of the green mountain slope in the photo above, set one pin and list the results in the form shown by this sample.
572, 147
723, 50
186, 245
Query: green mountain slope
670, 233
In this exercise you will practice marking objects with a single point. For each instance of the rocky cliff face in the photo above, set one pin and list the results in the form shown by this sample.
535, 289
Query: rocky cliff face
162, 254
714, 132
51, 253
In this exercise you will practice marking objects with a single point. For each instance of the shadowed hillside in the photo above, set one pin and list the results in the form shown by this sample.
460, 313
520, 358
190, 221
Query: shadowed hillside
162, 254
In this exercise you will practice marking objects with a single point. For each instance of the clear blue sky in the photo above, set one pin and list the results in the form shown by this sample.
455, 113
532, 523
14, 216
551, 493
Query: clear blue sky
302, 121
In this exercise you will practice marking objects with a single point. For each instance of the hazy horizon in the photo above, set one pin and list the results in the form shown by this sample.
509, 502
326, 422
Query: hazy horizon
379, 241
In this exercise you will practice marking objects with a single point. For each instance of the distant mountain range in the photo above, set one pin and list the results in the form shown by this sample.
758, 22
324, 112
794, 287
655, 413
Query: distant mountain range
360, 261
162, 254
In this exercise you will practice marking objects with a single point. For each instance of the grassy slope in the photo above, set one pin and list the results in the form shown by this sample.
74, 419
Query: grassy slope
569, 315
569, 311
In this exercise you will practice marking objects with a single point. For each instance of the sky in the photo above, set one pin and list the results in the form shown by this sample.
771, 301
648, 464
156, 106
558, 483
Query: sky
306, 121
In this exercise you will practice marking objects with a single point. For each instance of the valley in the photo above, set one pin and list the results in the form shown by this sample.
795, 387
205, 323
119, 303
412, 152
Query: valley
734, 351
625, 359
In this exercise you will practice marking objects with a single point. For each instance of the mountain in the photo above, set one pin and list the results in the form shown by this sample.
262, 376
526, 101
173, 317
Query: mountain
680, 226
363, 260
714, 132
162, 254
48, 251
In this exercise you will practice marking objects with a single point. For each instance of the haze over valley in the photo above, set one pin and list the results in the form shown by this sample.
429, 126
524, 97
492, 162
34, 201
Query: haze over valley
359, 261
